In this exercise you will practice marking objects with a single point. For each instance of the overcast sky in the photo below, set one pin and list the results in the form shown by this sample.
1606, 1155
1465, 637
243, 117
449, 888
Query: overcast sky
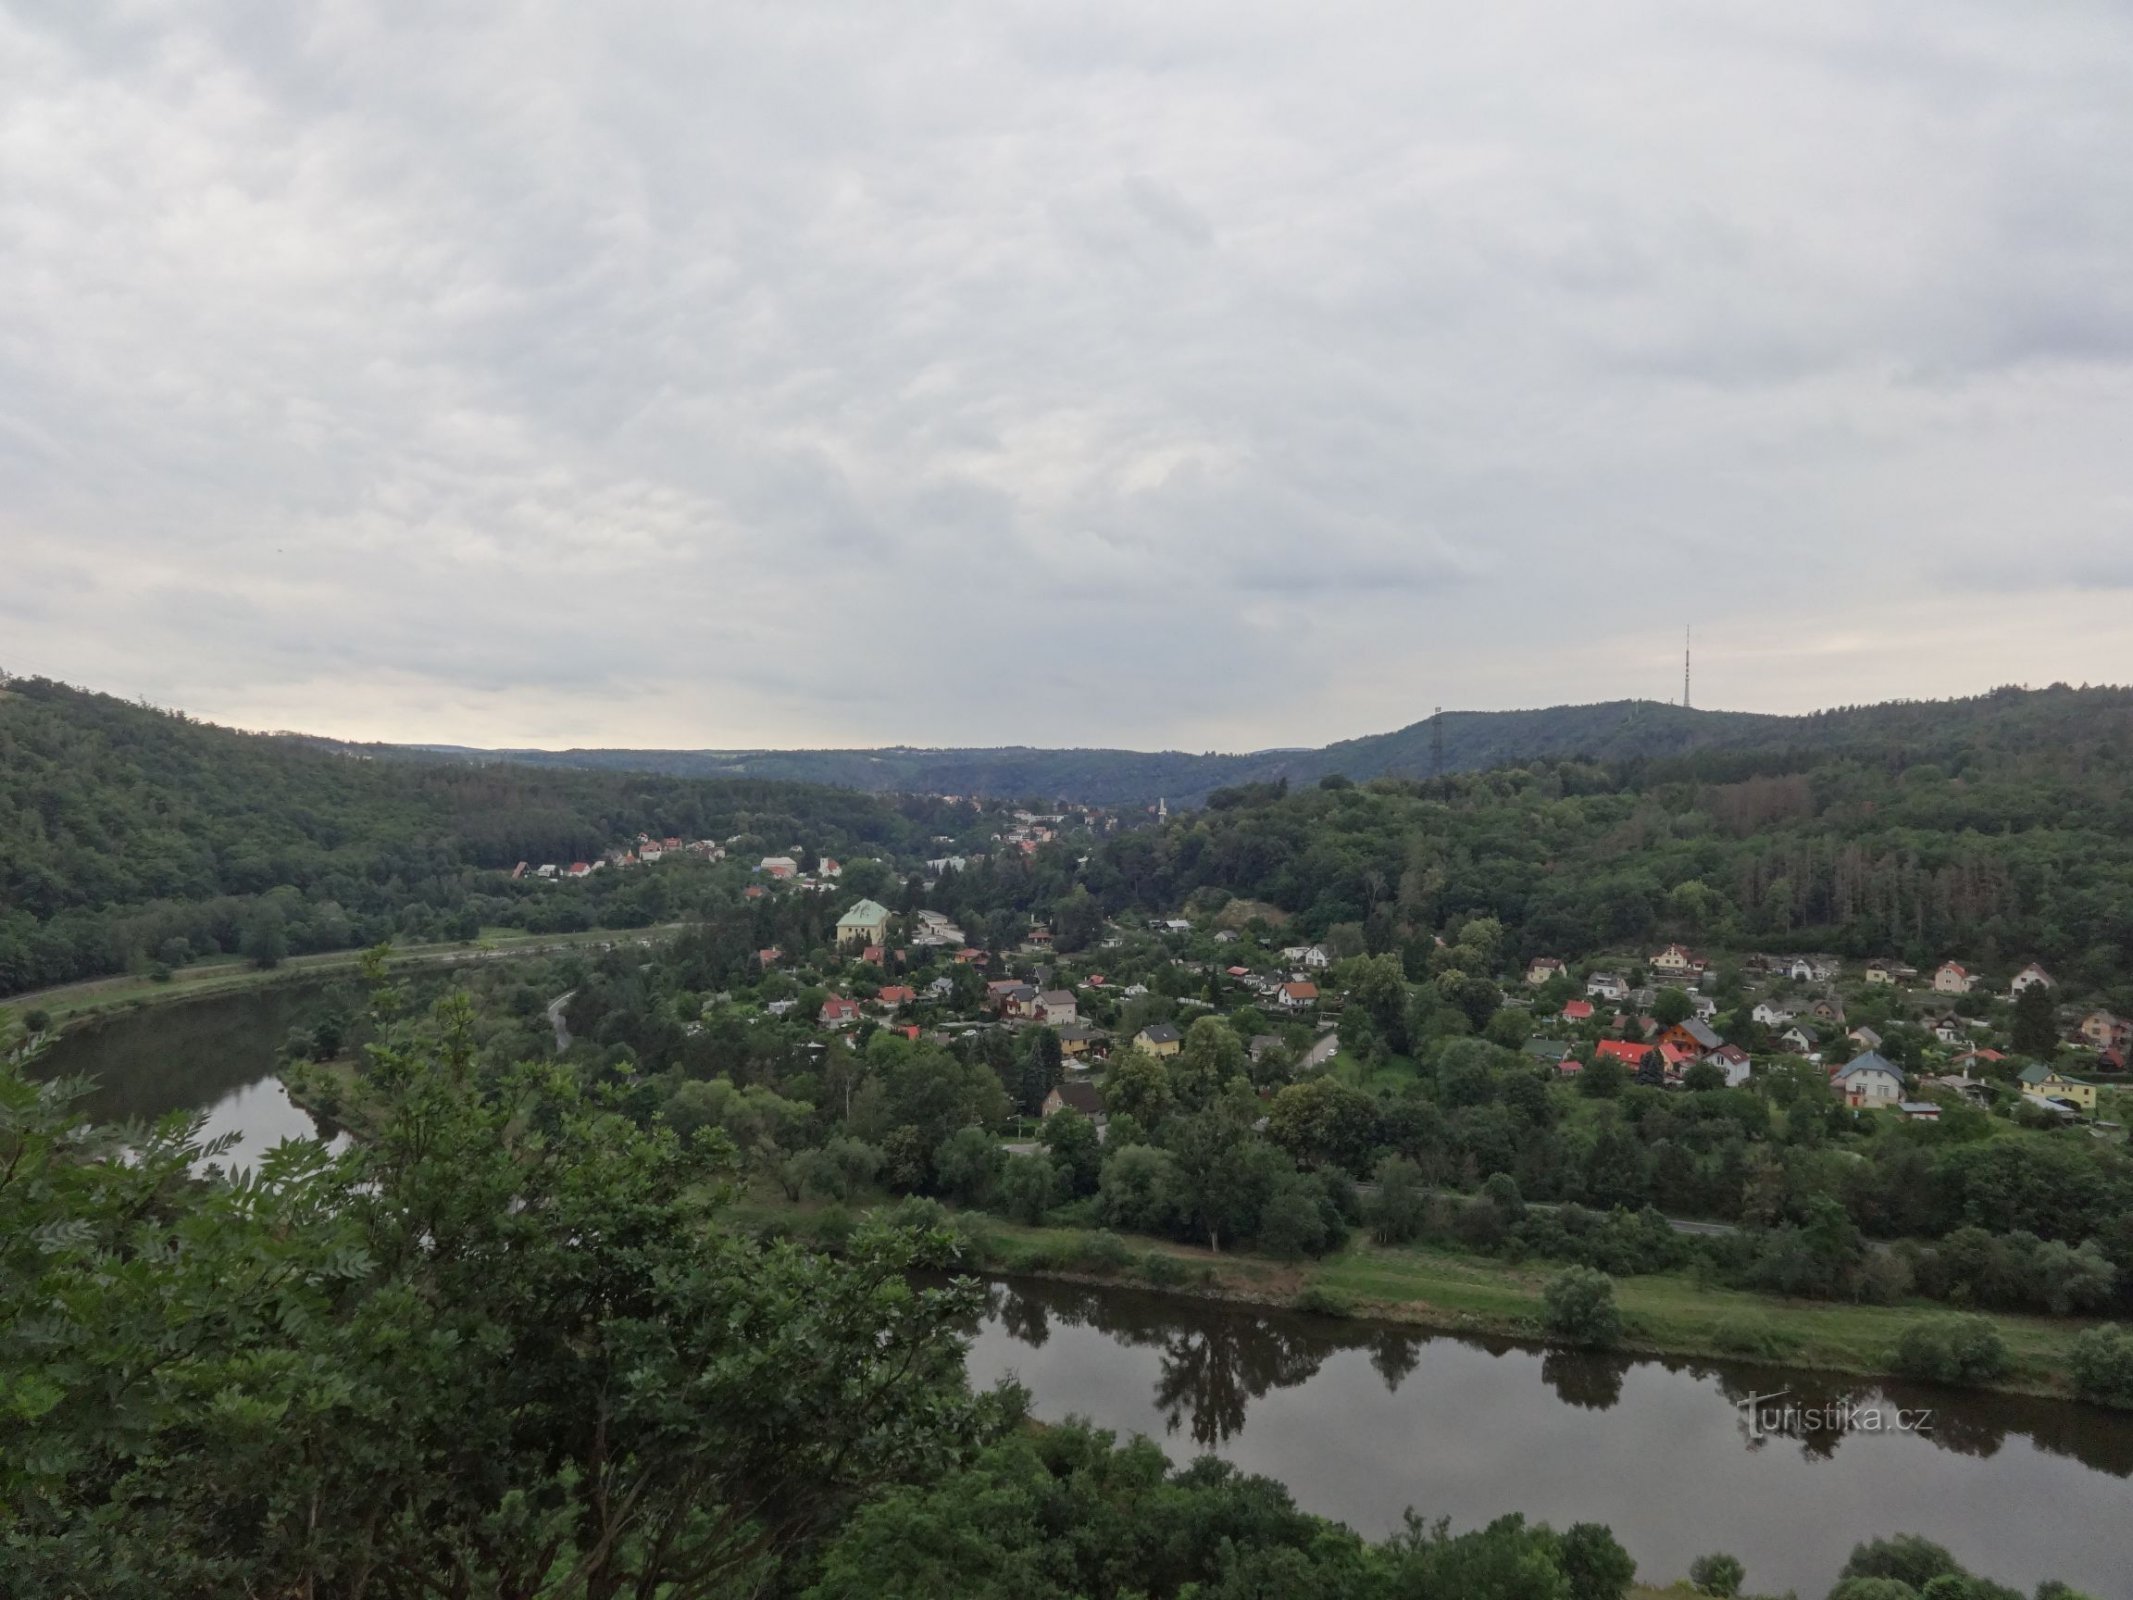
1209, 375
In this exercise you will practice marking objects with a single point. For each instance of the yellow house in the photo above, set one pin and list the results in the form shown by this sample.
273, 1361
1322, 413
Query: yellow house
866, 923
2039, 1080
1158, 1039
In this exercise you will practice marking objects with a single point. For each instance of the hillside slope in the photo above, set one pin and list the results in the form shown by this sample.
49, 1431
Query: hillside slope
1474, 741
126, 831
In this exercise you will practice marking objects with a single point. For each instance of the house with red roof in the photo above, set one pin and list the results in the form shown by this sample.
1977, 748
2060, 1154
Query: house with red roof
837, 1011
893, 995
1577, 1011
1630, 1053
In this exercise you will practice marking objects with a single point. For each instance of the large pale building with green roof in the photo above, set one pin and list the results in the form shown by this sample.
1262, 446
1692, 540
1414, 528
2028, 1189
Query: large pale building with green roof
865, 923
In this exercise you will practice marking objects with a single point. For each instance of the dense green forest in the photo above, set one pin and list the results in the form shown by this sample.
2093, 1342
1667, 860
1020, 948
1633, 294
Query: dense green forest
1471, 741
129, 834
1988, 849
509, 1345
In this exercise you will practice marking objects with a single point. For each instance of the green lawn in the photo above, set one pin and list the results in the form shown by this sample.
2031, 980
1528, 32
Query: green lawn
1437, 1288
1668, 1311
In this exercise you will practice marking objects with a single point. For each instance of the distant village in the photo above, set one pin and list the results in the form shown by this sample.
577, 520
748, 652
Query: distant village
1886, 1037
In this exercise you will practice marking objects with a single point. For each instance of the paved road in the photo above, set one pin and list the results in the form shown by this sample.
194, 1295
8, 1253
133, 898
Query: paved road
555, 1020
1323, 1051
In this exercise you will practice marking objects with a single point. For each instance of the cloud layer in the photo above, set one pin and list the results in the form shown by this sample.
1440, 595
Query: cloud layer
1209, 375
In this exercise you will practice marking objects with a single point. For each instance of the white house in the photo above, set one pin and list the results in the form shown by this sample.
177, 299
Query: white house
1771, 1015
1606, 986
1869, 1080
2029, 977
1296, 996
1676, 960
1733, 1061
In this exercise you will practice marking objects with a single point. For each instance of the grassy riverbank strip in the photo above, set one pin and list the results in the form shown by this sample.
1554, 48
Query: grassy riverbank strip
1443, 1291
96, 997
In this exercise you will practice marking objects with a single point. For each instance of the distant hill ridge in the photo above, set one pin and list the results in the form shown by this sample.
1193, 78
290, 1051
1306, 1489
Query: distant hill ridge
1615, 730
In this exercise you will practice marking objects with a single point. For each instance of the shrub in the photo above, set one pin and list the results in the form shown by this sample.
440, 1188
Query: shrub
1325, 1302
1578, 1307
2102, 1365
1165, 1271
1952, 1350
1717, 1574
1102, 1251
1905, 1559
37, 1020
916, 1211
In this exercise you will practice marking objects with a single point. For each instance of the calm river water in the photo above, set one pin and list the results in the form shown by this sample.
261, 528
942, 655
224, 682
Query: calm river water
1363, 1422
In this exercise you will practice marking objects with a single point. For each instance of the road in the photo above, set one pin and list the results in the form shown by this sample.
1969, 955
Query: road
555, 1020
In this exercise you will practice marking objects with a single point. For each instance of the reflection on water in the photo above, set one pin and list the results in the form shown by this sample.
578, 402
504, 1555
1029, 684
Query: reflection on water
1363, 1421
214, 1055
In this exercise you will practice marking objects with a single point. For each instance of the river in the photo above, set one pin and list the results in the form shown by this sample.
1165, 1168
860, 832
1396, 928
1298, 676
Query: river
216, 1054
1364, 1421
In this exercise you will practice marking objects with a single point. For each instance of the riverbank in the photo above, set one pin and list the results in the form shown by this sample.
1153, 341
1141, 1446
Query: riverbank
71, 1004
1442, 1291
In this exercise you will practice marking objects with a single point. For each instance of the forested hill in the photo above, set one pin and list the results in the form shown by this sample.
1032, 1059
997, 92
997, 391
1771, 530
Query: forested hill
126, 830
1473, 741
1995, 838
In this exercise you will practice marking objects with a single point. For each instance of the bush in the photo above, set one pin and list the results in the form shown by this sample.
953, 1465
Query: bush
37, 1020
1744, 1333
1102, 1251
1905, 1559
1717, 1574
1578, 1307
1952, 1350
2102, 1365
1325, 1302
1165, 1271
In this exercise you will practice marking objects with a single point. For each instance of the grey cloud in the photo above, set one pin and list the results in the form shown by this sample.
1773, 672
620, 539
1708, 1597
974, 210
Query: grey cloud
1170, 376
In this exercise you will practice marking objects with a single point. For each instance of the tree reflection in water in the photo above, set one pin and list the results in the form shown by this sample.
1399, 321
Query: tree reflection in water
1585, 1378
1216, 1360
